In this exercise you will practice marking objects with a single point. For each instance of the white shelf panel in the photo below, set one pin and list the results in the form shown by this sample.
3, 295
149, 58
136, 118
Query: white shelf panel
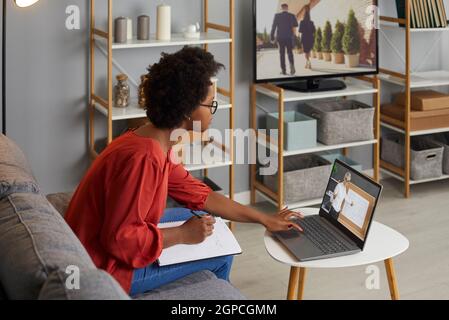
176, 40
131, 112
413, 182
415, 133
319, 148
354, 88
220, 159
395, 26
421, 79
134, 112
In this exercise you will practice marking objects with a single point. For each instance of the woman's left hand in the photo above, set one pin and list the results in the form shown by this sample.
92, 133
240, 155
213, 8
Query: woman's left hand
282, 221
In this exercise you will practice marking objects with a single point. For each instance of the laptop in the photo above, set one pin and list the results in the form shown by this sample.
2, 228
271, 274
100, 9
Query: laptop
345, 217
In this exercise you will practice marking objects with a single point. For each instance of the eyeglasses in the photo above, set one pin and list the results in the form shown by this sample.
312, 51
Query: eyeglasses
213, 107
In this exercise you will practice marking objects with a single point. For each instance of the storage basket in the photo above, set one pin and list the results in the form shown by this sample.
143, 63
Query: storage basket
341, 121
305, 178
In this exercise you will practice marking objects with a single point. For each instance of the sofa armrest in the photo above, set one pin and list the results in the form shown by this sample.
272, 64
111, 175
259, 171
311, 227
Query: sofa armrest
60, 201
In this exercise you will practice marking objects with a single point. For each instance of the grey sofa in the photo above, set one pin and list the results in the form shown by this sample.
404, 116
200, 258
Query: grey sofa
38, 249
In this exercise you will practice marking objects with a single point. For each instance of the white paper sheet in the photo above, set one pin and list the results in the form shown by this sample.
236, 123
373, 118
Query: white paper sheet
358, 211
221, 243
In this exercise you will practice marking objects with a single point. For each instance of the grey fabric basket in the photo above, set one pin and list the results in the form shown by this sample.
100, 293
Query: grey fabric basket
426, 155
305, 178
341, 121
443, 140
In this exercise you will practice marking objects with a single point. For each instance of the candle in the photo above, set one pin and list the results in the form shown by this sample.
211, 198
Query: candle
129, 28
163, 22
120, 30
143, 27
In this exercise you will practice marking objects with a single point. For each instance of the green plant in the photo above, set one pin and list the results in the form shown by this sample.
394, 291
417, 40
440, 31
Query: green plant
337, 38
318, 40
351, 38
327, 38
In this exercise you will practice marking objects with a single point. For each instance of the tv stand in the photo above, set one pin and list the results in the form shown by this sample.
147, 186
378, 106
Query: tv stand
314, 85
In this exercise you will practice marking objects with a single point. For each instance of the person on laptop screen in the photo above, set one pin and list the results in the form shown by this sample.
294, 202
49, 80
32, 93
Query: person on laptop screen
340, 196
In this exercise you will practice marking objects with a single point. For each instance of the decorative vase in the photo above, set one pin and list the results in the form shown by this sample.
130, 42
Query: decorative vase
327, 56
122, 91
320, 56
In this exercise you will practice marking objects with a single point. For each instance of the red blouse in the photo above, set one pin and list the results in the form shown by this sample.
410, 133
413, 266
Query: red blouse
118, 204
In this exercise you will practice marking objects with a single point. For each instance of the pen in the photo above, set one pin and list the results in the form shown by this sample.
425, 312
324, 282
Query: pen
196, 214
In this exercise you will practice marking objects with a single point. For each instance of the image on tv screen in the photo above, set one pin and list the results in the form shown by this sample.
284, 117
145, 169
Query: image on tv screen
315, 38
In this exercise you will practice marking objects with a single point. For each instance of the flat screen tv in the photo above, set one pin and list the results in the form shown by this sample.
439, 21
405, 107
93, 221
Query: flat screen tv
300, 44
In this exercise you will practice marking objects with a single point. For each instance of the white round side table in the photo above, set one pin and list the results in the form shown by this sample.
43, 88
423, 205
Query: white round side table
383, 244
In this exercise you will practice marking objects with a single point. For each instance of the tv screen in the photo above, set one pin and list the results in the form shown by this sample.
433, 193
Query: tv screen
310, 39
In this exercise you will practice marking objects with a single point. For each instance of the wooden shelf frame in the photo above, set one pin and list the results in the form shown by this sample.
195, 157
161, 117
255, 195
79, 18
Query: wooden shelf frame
405, 80
272, 90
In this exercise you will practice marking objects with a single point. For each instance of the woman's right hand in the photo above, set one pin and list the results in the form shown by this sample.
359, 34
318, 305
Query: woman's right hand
196, 230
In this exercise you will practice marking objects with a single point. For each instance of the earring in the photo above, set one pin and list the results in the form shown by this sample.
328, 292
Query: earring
188, 118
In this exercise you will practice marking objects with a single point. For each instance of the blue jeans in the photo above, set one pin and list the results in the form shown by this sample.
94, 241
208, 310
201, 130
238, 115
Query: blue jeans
153, 276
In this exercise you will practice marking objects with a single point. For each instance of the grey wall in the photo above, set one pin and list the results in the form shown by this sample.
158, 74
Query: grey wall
47, 82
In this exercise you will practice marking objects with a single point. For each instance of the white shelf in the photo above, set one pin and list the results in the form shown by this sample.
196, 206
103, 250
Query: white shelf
415, 133
135, 112
413, 182
220, 159
395, 26
354, 88
421, 79
319, 148
176, 40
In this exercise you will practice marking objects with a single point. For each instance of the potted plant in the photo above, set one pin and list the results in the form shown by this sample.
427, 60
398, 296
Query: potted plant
338, 56
351, 41
326, 42
317, 46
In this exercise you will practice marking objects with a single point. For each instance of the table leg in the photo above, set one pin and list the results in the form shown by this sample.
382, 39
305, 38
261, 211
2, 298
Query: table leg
391, 275
301, 283
294, 275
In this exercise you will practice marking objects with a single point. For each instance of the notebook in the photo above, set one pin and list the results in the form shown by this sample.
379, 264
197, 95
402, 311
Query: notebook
221, 243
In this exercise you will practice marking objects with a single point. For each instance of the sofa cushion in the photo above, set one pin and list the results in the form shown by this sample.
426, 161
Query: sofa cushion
35, 241
198, 286
15, 173
93, 285
60, 201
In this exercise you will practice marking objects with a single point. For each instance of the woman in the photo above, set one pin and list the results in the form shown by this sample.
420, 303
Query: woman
307, 30
116, 209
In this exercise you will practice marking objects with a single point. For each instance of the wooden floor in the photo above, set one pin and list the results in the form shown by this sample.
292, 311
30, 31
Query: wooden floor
422, 272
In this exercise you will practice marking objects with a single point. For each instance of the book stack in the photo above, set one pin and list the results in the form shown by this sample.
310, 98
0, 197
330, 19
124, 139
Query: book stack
424, 13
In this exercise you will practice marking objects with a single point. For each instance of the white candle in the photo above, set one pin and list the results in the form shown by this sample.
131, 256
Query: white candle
129, 28
163, 22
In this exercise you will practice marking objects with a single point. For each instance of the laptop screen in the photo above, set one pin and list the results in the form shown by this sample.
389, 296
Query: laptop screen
350, 201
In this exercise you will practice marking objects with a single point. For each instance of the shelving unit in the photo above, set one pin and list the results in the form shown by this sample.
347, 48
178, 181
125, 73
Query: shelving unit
212, 34
355, 87
409, 80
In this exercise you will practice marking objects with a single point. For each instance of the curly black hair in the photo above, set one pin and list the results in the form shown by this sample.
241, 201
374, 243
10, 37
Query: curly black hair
177, 85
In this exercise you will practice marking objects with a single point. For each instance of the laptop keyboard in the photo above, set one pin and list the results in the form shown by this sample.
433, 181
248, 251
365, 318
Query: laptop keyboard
321, 237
